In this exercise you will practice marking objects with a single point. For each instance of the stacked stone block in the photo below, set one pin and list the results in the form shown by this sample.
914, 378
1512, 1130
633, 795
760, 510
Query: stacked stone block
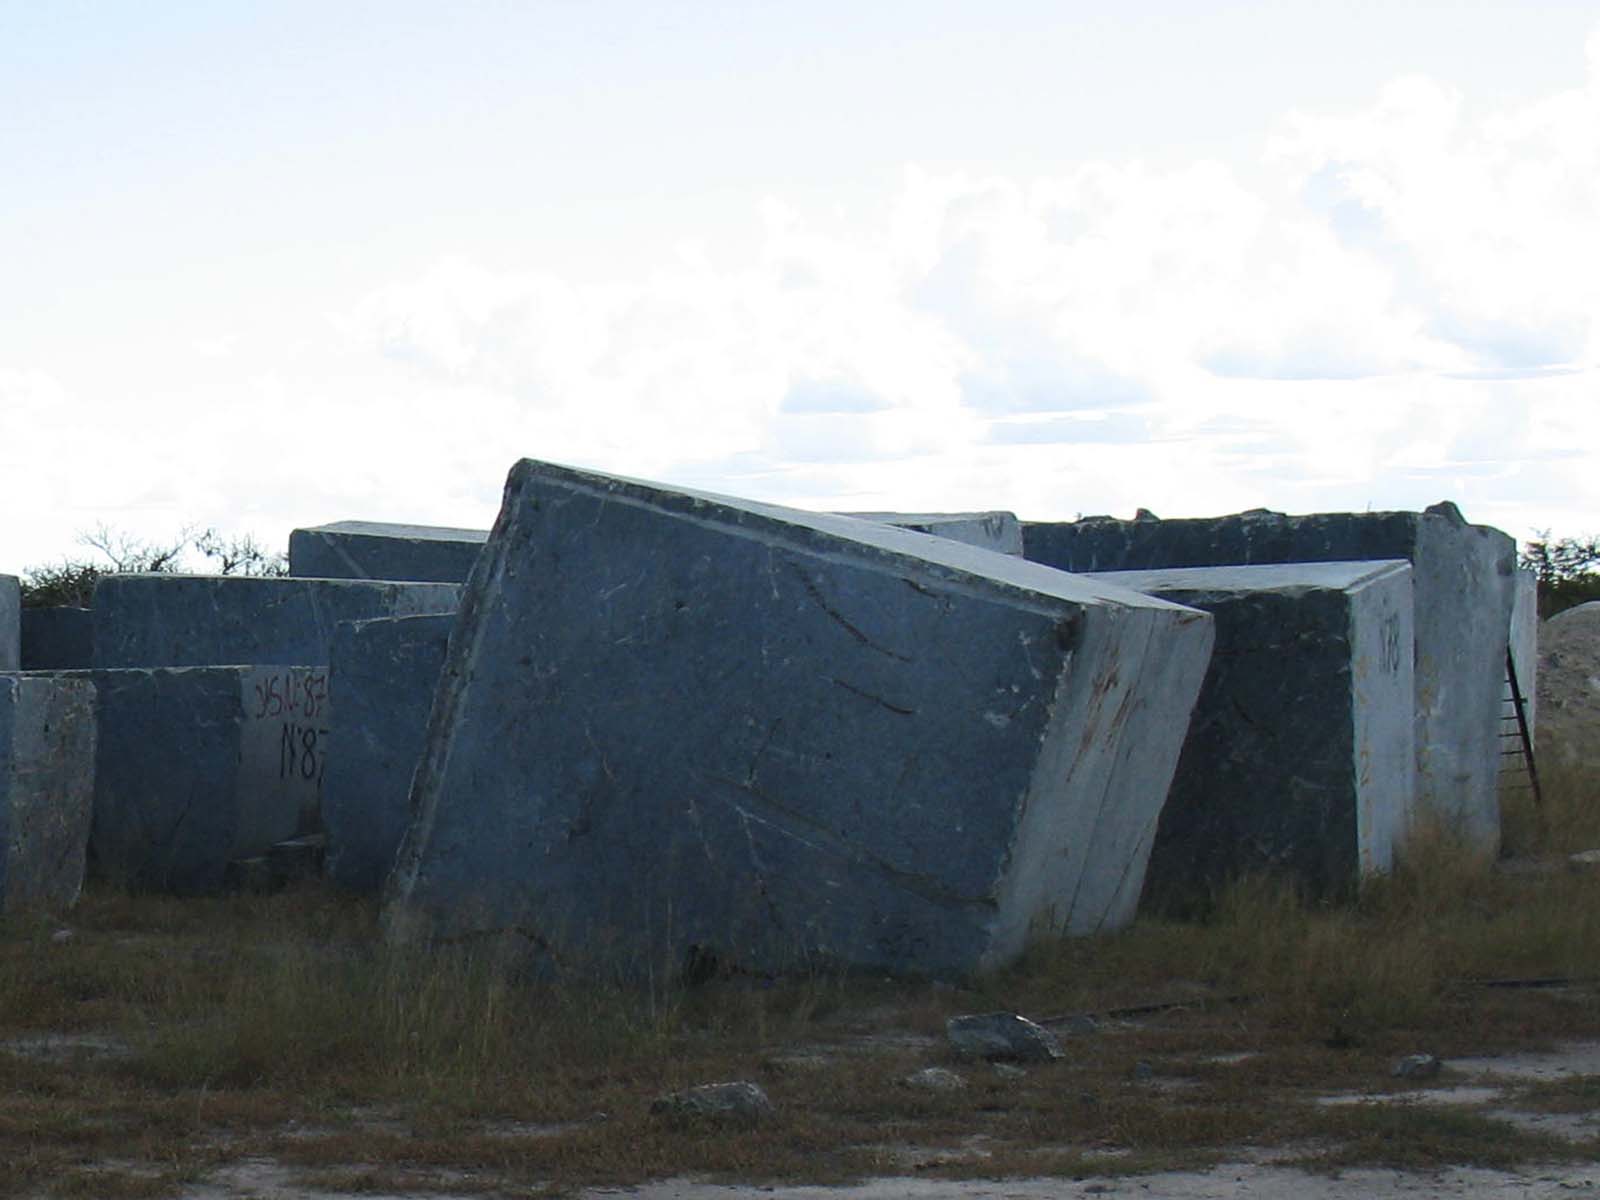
1298, 760
1462, 580
47, 757
212, 620
380, 550
197, 766
385, 673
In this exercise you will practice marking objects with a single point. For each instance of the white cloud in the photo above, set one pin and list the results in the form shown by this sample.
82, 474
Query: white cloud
1388, 308
1397, 304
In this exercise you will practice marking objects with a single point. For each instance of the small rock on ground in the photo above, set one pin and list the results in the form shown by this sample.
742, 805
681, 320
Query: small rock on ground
1002, 1035
1416, 1066
935, 1079
739, 1100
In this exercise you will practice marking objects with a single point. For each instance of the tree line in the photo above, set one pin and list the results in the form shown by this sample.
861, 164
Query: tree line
71, 581
1568, 570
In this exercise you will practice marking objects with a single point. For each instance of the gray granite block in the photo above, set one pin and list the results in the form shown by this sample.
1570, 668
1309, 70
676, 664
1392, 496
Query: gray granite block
1462, 582
225, 620
385, 673
58, 638
1299, 758
10, 623
378, 550
47, 739
200, 765
998, 531
676, 725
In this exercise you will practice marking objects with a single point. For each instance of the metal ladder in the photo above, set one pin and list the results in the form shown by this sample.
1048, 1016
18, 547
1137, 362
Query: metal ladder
1515, 741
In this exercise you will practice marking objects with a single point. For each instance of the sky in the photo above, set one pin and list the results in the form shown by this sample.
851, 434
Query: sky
270, 265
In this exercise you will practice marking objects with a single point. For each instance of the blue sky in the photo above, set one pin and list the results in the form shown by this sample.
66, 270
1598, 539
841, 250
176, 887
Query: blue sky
264, 265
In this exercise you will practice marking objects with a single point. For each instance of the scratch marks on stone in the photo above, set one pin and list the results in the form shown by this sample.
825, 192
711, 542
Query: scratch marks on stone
800, 827
755, 759
876, 699
821, 602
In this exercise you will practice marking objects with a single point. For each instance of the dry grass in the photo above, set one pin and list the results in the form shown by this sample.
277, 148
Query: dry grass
199, 1033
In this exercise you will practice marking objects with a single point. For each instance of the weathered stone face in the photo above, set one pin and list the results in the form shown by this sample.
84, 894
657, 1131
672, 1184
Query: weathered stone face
377, 550
1569, 688
197, 766
1462, 584
47, 739
997, 531
10, 623
385, 673
670, 720
1298, 759
211, 620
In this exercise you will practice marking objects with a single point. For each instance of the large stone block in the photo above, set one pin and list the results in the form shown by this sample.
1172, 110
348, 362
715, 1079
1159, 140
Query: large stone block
997, 531
1462, 583
1569, 689
224, 620
673, 721
10, 623
1298, 759
377, 550
197, 766
47, 739
384, 673
57, 639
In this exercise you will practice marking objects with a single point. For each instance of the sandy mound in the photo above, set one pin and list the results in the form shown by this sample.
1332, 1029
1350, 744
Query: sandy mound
1569, 686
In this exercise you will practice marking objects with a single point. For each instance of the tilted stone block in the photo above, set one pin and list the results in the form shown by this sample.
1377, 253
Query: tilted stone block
225, 620
384, 673
47, 738
673, 725
1462, 585
10, 623
200, 765
1299, 759
377, 550
997, 531
58, 638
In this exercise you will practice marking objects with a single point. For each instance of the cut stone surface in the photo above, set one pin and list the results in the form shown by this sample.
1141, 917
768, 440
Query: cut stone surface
57, 639
47, 738
218, 620
1569, 688
1462, 583
669, 719
385, 673
997, 531
198, 766
1002, 1036
1298, 759
10, 623
378, 550
1525, 646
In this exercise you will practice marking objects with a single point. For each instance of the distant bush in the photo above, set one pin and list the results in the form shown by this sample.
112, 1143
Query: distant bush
1568, 570
71, 581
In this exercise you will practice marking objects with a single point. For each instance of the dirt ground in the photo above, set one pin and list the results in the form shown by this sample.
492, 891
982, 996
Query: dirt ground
1486, 1085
